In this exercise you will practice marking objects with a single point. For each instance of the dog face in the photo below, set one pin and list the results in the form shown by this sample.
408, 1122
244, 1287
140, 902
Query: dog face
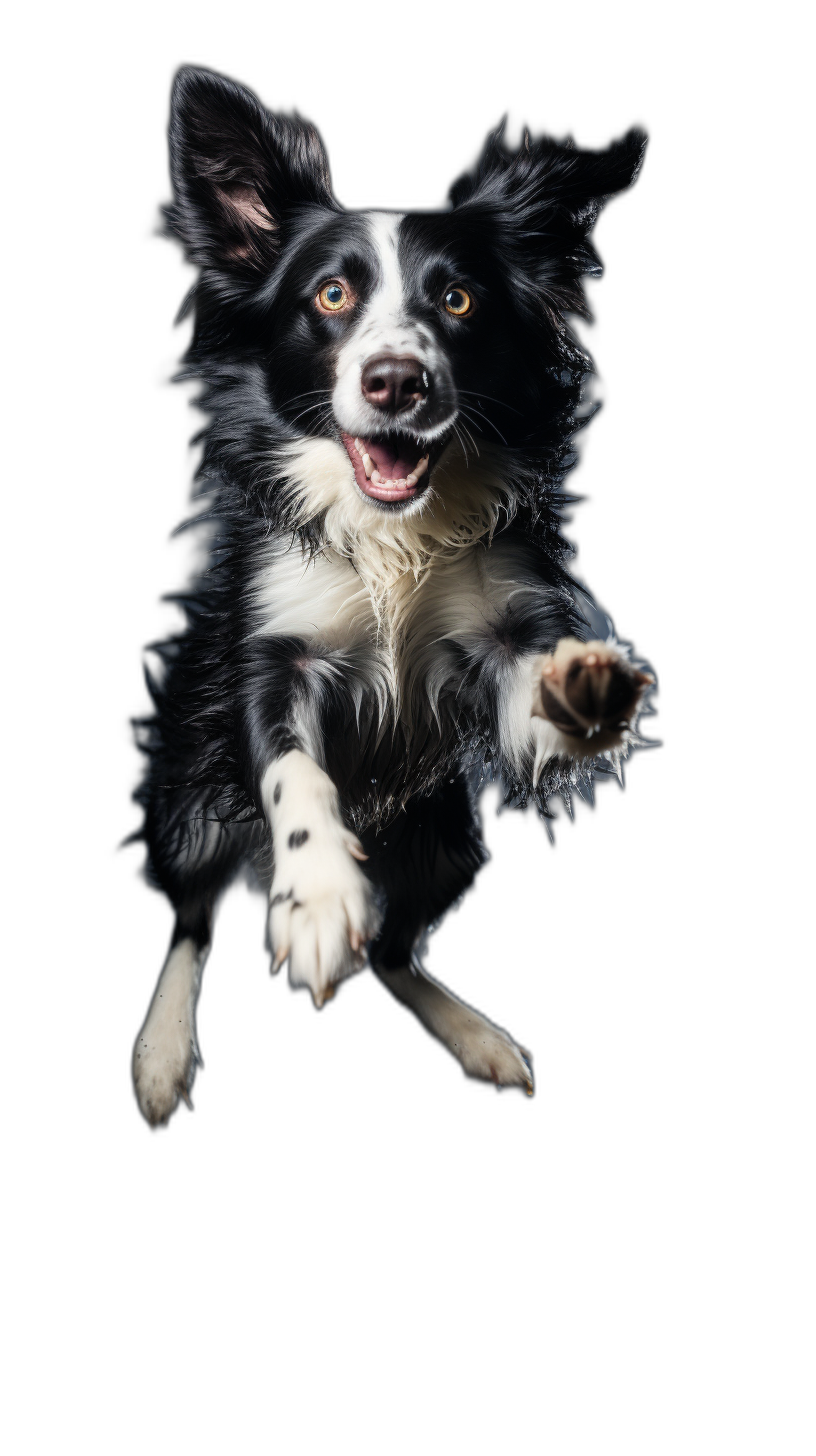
395, 336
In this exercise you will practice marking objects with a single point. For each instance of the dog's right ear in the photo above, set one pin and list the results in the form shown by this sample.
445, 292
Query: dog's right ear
237, 169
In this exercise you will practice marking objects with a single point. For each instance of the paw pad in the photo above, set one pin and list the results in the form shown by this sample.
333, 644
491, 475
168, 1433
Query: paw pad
588, 687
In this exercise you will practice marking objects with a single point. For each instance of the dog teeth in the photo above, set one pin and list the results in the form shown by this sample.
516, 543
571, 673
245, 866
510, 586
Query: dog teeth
401, 484
418, 471
368, 463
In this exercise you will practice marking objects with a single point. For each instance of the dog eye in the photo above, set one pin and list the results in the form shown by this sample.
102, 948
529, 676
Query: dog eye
333, 296
458, 302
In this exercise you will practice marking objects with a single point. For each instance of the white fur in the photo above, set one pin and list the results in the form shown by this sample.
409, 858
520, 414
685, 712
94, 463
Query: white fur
384, 578
528, 742
401, 585
322, 908
166, 1050
483, 1049
383, 328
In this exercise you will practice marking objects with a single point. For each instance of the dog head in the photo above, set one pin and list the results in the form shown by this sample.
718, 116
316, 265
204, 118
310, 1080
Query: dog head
392, 340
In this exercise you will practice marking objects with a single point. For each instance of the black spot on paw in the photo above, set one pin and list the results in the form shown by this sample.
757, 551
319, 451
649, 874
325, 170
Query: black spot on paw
297, 838
280, 898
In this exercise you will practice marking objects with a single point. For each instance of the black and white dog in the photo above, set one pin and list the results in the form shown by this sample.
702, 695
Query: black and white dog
386, 619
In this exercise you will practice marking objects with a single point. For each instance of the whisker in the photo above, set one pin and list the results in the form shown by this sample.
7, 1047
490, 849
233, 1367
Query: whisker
461, 441
468, 410
305, 395
478, 395
471, 438
309, 408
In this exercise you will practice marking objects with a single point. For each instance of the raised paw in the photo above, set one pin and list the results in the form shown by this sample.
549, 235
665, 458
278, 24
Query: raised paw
589, 692
321, 911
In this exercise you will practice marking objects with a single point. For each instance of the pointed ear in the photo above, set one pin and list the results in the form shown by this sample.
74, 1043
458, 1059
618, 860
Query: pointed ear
583, 181
236, 171
549, 194
550, 172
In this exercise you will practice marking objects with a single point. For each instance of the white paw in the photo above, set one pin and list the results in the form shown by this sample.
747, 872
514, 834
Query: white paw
488, 1052
163, 1063
321, 907
165, 1054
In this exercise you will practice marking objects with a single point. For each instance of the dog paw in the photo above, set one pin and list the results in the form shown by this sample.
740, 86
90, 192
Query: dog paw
489, 1053
164, 1062
322, 910
589, 692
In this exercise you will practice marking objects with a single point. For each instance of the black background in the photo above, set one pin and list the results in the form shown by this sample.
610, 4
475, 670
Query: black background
571, 948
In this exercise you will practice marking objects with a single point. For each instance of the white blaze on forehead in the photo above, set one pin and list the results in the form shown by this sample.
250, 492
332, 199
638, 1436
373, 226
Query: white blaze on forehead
383, 321
385, 326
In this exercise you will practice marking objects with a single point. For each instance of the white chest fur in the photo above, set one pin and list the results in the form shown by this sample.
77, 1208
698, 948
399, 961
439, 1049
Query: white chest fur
401, 631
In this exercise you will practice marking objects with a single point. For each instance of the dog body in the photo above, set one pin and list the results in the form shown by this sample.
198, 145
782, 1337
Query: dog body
386, 618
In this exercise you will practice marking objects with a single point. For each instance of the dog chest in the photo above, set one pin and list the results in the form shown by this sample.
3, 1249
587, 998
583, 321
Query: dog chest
401, 634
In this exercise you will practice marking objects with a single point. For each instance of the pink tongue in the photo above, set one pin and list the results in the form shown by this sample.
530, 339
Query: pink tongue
393, 461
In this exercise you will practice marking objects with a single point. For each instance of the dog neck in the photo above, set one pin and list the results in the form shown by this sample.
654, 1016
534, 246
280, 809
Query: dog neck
393, 552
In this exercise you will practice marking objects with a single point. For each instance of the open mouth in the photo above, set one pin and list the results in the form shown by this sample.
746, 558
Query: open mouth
391, 468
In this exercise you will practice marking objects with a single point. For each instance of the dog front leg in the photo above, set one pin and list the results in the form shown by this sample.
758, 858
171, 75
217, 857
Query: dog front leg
322, 909
576, 702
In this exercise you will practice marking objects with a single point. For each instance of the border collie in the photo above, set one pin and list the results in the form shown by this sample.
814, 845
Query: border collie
386, 620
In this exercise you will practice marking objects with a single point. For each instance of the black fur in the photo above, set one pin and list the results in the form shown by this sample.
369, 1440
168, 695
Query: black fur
254, 210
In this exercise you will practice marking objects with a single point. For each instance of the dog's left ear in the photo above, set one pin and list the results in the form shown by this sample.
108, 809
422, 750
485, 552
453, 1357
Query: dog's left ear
545, 198
582, 181
237, 171
544, 175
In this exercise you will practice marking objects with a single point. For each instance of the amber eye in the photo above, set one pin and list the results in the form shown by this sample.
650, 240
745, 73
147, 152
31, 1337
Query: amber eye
458, 302
333, 296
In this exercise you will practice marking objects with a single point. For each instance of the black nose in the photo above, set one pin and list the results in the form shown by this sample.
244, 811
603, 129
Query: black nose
393, 384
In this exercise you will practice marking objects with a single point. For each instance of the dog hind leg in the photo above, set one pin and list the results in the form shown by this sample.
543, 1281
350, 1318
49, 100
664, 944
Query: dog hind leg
484, 1050
166, 1052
